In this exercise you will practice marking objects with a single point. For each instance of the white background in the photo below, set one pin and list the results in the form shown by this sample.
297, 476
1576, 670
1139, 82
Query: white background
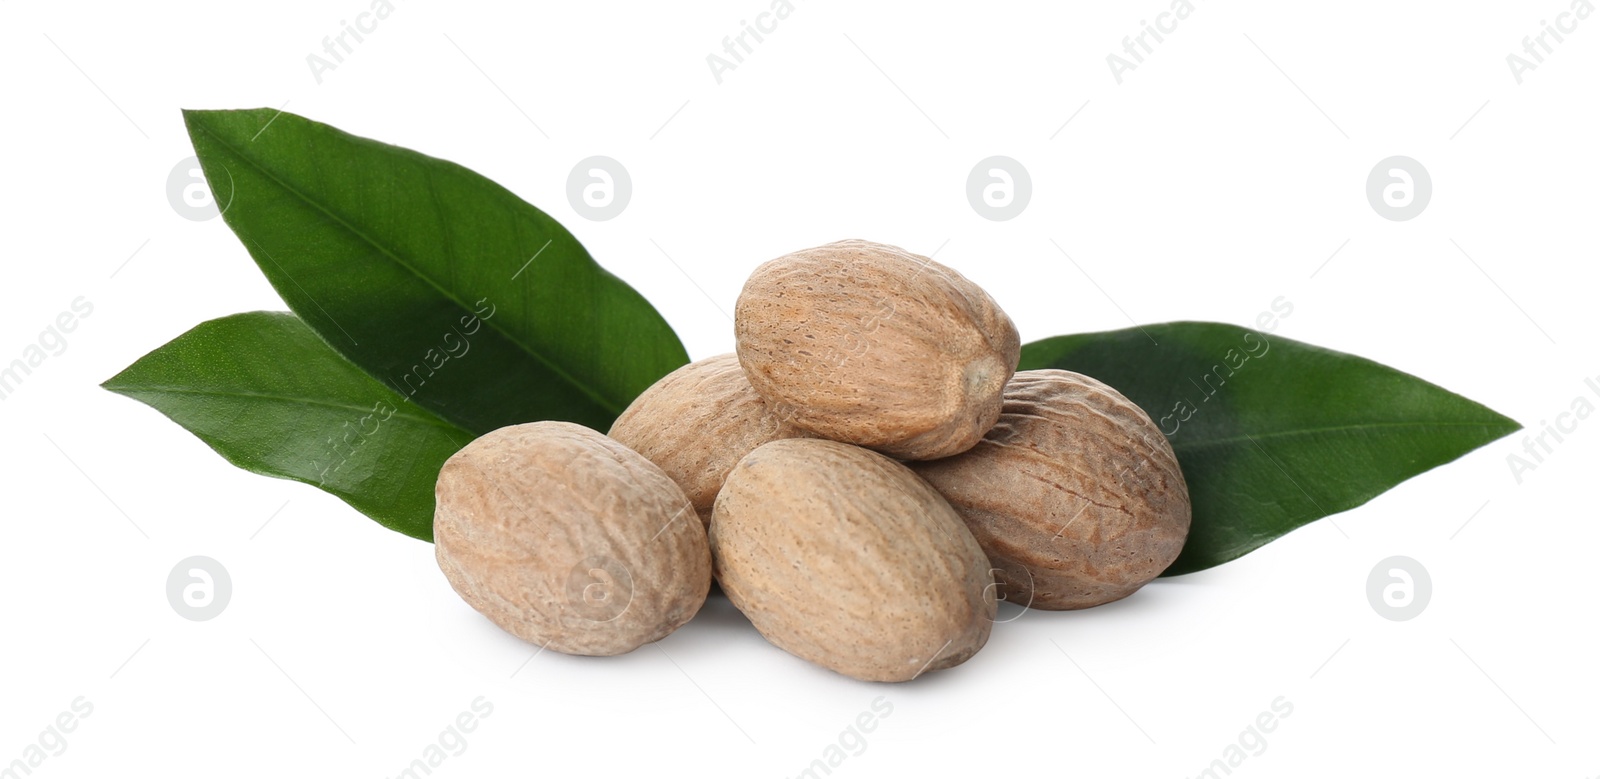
1202, 187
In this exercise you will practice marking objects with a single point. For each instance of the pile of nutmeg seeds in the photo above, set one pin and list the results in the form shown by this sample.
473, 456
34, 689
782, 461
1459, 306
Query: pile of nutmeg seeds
864, 478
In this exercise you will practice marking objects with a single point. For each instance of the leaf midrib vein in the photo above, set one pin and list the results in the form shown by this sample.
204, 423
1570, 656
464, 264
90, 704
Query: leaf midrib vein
1334, 429
287, 399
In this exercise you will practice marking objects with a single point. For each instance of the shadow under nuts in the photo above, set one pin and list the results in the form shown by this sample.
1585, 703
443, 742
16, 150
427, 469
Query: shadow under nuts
697, 422
569, 540
869, 344
1075, 494
843, 557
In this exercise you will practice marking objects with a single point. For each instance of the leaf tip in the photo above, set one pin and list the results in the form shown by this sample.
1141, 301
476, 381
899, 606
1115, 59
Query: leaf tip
114, 384
1504, 425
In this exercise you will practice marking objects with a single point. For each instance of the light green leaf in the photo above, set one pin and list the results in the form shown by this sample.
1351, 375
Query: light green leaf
267, 394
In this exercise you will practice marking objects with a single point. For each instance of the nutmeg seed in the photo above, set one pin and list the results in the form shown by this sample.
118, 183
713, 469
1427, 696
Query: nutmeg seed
869, 344
843, 557
567, 539
697, 422
1075, 494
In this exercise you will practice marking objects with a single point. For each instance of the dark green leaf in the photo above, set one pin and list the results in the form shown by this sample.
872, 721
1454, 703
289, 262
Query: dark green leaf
439, 282
1272, 433
265, 392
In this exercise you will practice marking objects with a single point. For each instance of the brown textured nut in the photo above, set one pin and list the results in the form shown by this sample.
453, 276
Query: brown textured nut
568, 539
697, 423
869, 344
1075, 494
843, 557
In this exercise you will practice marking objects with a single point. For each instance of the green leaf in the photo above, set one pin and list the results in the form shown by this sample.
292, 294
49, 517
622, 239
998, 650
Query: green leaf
1272, 433
267, 394
437, 281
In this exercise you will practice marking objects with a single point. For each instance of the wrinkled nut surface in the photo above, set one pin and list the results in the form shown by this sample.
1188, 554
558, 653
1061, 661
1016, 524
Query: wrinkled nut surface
1075, 494
567, 539
869, 344
843, 557
697, 422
